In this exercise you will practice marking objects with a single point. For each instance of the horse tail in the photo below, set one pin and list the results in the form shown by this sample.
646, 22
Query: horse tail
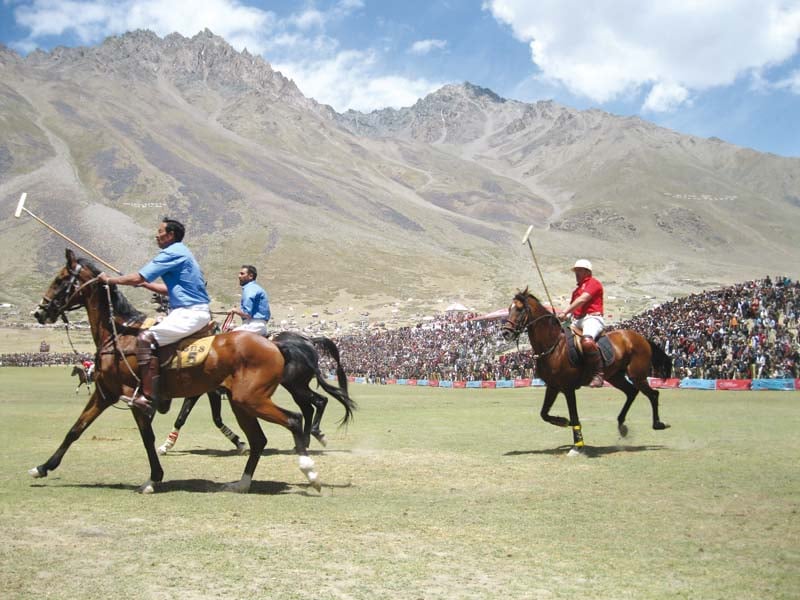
662, 362
300, 352
333, 350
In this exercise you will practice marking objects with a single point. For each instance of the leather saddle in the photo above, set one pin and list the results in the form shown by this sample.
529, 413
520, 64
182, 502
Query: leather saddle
575, 350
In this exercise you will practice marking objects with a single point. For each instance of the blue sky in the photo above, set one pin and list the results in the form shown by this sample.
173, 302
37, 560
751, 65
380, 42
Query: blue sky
724, 68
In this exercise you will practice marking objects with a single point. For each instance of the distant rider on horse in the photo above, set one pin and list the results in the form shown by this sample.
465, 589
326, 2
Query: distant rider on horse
88, 367
586, 308
188, 301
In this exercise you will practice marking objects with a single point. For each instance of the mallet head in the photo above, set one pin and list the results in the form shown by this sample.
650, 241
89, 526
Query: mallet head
527, 234
20, 204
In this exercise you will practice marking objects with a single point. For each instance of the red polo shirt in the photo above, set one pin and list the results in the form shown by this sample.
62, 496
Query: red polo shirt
594, 288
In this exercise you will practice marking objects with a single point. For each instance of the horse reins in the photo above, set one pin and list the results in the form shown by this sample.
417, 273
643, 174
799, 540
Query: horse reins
532, 324
62, 312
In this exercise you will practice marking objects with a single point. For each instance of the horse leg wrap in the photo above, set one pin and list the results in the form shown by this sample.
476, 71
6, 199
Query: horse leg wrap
169, 443
307, 467
228, 433
577, 436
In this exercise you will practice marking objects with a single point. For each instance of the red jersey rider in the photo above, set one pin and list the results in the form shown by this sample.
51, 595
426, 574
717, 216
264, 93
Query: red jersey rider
586, 308
88, 367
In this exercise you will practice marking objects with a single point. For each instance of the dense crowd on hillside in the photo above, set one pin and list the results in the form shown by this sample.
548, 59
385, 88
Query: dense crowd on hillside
745, 331
454, 347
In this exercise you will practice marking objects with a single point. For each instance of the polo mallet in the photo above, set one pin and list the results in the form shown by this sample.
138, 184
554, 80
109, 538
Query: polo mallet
527, 239
21, 207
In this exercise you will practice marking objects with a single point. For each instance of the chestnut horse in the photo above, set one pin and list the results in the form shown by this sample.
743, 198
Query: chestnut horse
250, 367
83, 378
634, 356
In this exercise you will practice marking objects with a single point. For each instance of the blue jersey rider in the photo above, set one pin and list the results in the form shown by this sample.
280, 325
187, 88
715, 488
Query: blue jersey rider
254, 306
183, 281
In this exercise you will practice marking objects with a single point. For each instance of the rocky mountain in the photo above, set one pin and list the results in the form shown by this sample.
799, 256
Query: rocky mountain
396, 213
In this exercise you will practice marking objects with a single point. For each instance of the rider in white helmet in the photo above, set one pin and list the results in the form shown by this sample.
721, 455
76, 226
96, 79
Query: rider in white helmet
586, 308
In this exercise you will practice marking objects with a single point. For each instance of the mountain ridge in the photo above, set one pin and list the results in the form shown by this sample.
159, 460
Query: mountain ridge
396, 212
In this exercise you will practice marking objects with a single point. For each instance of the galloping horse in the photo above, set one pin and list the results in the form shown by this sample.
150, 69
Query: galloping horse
83, 378
633, 356
296, 378
250, 367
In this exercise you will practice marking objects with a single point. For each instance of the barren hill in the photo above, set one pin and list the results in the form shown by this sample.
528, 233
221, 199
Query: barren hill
396, 213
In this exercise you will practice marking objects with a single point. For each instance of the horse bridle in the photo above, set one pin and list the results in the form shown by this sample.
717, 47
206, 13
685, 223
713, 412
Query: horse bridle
529, 321
68, 291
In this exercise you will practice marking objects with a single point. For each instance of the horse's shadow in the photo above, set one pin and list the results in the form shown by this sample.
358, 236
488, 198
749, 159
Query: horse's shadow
588, 451
205, 486
232, 452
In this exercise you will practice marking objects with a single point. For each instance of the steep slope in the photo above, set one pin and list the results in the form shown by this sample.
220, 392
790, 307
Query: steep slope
394, 213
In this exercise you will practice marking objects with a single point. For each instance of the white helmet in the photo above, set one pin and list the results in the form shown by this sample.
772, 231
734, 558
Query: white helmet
582, 263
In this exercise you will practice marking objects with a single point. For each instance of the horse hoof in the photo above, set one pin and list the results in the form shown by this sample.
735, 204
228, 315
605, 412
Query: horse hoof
658, 425
575, 451
162, 450
36, 473
242, 449
237, 487
147, 488
322, 439
623, 430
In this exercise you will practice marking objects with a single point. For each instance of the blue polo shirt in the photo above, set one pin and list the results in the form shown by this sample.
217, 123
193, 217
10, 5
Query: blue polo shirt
179, 270
255, 301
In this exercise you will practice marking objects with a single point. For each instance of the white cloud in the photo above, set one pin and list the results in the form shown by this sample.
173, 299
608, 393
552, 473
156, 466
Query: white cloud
349, 80
94, 20
309, 19
665, 97
604, 50
421, 47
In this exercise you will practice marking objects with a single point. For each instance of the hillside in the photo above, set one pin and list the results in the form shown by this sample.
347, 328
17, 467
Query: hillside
396, 213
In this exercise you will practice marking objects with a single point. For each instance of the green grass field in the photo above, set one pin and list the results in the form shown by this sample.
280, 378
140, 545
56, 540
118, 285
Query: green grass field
431, 493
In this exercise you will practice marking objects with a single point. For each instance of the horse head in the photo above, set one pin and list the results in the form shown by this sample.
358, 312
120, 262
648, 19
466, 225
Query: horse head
525, 311
64, 293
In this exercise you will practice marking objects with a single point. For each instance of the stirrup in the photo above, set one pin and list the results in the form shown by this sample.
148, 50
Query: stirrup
147, 409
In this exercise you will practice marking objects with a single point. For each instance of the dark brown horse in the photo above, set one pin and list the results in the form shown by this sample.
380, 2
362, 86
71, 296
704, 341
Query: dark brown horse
634, 356
83, 378
249, 366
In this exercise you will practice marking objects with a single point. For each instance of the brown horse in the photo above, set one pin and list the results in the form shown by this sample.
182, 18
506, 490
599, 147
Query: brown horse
83, 378
633, 358
250, 367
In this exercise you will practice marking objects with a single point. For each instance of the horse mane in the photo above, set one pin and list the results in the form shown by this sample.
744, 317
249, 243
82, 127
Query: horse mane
523, 296
119, 302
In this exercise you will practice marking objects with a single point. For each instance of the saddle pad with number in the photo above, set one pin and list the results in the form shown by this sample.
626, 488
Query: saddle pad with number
190, 353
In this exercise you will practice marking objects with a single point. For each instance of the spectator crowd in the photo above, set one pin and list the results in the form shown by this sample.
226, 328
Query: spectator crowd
41, 359
745, 331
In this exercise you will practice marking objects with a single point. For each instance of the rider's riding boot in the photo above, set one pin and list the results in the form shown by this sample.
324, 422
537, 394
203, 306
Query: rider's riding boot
147, 359
593, 359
